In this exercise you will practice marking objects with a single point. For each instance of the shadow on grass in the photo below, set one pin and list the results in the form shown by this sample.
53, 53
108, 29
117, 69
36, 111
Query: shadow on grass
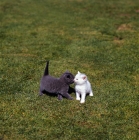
71, 90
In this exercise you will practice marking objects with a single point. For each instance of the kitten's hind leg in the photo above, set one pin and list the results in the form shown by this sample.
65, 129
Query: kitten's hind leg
67, 96
60, 97
91, 93
40, 92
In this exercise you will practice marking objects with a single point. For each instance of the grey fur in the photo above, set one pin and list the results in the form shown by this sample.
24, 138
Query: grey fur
59, 86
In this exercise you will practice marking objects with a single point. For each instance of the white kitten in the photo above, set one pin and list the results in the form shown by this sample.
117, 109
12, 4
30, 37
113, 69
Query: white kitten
82, 87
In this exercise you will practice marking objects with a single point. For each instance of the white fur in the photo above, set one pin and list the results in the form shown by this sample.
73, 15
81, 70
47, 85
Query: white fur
82, 87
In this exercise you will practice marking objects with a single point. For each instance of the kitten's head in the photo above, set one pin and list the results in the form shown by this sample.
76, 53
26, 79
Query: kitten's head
80, 78
68, 78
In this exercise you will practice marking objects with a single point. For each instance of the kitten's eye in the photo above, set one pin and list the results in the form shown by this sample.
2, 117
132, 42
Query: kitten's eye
76, 79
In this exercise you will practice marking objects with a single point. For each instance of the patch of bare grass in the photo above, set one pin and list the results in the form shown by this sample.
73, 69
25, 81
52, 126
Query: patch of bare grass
125, 27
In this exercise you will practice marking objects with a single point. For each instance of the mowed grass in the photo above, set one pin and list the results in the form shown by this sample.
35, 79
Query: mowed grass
99, 38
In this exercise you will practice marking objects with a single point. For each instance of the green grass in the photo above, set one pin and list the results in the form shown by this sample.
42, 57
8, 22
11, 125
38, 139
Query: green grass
99, 38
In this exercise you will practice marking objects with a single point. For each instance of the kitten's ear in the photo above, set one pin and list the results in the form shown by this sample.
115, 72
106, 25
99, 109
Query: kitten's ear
79, 72
84, 77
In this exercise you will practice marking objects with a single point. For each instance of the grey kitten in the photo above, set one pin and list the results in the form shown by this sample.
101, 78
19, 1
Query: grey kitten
59, 86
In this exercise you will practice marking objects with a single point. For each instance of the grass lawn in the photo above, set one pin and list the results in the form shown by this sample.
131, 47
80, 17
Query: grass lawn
96, 37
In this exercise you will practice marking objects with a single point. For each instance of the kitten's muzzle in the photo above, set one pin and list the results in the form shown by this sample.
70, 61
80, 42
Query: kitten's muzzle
72, 82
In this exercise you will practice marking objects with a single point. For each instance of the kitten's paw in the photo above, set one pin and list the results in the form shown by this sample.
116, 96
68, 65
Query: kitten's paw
78, 99
90, 94
71, 98
40, 94
82, 102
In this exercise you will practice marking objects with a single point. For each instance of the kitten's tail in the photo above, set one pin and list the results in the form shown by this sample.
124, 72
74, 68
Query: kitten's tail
46, 71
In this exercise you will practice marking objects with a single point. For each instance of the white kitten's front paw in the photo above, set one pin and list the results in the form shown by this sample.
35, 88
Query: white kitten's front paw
82, 102
78, 99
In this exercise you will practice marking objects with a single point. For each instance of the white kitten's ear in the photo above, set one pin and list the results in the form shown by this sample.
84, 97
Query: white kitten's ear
79, 72
84, 77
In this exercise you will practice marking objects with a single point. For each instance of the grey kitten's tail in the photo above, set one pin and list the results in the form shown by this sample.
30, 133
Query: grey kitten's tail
46, 71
